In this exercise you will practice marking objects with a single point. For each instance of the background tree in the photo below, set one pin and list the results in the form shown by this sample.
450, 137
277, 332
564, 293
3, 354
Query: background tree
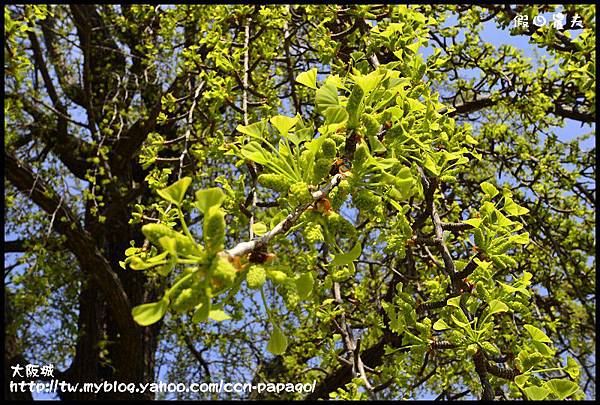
454, 254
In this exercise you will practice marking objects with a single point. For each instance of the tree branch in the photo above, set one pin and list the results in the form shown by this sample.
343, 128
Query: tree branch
246, 247
78, 241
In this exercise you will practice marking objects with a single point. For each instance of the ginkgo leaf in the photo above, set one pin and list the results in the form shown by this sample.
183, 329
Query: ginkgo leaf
176, 191
147, 314
277, 343
308, 78
343, 259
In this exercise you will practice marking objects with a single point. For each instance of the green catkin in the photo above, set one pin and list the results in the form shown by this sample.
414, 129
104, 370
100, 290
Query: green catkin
339, 194
256, 276
277, 182
223, 272
329, 148
299, 193
313, 233
214, 229
365, 200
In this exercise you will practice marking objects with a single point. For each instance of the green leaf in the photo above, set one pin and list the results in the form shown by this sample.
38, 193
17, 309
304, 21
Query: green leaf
464, 323
326, 96
497, 307
490, 348
304, 285
278, 342
440, 324
535, 393
537, 334
454, 302
572, 368
308, 78
521, 380
147, 314
218, 315
474, 222
471, 140
335, 115
513, 208
416, 105
414, 48
283, 124
169, 244
176, 191
543, 348
353, 106
347, 258
202, 310
185, 245
253, 151
368, 82
254, 130
489, 189
522, 238
430, 165
259, 228
208, 198
562, 388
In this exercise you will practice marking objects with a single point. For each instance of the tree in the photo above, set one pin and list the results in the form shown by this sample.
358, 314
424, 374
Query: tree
370, 197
